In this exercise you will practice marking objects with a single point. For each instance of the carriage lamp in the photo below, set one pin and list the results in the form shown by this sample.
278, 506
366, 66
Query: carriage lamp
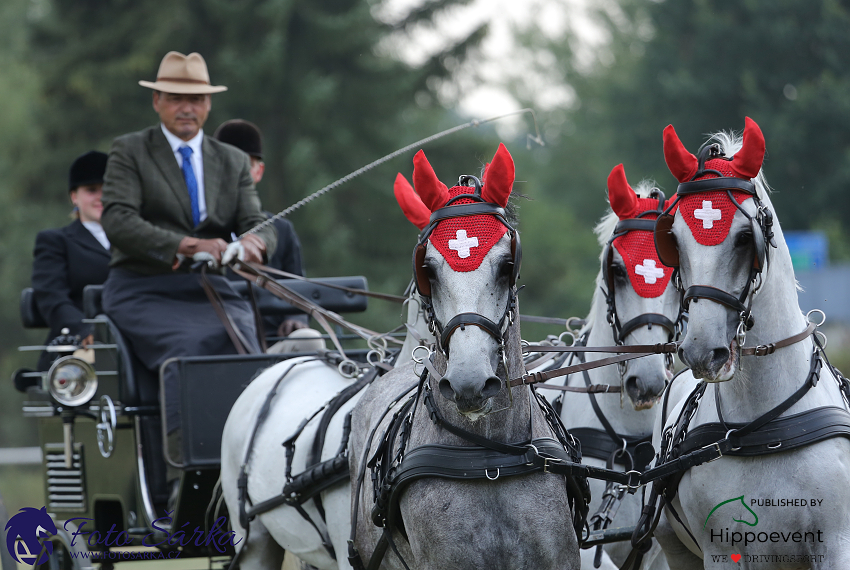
72, 381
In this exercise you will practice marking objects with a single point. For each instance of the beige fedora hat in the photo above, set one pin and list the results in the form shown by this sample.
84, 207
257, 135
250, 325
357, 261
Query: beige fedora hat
183, 74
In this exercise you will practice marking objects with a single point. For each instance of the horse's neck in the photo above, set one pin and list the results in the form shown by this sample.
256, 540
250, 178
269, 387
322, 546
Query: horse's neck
761, 383
416, 321
623, 418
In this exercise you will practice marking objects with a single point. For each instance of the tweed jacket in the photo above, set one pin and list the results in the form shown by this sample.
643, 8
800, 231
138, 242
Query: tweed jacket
146, 207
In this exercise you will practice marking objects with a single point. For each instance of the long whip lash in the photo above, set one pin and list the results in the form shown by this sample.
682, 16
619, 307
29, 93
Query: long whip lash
474, 123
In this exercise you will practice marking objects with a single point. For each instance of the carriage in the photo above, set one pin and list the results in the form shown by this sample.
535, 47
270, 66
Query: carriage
103, 451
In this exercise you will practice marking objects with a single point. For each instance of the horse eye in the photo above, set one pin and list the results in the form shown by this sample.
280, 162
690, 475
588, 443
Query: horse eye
429, 271
744, 239
506, 268
619, 271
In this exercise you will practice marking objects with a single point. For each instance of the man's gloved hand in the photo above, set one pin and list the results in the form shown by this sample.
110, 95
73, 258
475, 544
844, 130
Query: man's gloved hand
234, 250
249, 249
200, 250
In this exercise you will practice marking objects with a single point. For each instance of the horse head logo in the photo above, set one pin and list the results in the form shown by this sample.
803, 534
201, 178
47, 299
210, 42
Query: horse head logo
32, 526
736, 499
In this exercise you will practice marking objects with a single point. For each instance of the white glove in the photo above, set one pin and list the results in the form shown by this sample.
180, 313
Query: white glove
235, 250
206, 257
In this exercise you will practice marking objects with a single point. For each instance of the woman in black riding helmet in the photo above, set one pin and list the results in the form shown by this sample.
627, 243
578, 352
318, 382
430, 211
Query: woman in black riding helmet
69, 258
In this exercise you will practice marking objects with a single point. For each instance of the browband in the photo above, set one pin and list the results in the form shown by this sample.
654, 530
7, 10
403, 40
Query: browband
643, 224
462, 211
713, 184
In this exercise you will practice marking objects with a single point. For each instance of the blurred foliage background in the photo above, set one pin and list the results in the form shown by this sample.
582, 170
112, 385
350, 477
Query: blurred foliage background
322, 80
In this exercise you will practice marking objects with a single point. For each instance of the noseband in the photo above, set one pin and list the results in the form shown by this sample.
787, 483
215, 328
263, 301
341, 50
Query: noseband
762, 230
423, 284
621, 331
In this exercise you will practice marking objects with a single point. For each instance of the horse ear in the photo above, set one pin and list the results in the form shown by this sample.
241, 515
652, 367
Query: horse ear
747, 161
622, 198
433, 192
411, 204
499, 178
682, 164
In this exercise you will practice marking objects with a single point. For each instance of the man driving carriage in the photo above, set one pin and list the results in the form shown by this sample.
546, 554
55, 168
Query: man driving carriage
171, 193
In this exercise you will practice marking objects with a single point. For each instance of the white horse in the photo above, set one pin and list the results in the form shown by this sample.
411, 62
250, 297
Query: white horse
468, 267
307, 385
719, 238
642, 293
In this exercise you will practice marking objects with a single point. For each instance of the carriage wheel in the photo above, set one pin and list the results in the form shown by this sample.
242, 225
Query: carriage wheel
61, 559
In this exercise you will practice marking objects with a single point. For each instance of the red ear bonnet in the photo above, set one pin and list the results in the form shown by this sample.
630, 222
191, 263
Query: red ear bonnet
466, 240
434, 193
747, 161
682, 164
499, 178
622, 198
411, 204
709, 215
648, 276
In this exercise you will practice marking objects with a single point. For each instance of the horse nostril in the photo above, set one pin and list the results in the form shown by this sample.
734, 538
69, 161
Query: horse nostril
446, 390
492, 386
719, 356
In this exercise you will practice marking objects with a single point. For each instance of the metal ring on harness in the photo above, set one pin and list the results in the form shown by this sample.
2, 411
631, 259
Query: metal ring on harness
487, 474
727, 438
741, 333
374, 354
572, 336
629, 485
417, 360
823, 317
108, 422
348, 368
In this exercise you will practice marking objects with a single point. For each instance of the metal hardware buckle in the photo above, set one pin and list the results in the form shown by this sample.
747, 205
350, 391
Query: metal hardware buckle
716, 445
550, 460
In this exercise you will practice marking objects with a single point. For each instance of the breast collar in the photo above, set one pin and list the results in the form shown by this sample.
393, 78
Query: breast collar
423, 284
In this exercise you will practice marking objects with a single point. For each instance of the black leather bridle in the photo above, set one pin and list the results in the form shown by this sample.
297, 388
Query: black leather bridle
762, 230
443, 332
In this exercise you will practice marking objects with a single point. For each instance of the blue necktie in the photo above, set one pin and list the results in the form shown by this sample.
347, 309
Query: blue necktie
191, 183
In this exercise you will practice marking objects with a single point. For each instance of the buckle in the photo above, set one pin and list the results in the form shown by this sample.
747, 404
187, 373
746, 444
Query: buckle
633, 476
549, 460
764, 349
716, 446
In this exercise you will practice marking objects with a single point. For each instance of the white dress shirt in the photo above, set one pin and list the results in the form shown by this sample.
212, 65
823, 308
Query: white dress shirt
97, 231
197, 162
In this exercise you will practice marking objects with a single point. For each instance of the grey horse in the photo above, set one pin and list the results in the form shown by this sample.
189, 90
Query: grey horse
526, 521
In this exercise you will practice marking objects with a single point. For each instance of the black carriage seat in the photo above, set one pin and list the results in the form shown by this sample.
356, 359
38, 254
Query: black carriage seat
30, 316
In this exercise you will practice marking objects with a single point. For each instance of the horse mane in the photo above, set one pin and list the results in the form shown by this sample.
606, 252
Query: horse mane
730, 142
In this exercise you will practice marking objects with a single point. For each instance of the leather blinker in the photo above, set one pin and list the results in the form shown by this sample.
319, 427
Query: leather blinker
665, 242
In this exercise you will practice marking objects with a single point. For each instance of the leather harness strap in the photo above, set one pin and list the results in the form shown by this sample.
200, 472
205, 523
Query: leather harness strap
373, 294
765, 349
236, 337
